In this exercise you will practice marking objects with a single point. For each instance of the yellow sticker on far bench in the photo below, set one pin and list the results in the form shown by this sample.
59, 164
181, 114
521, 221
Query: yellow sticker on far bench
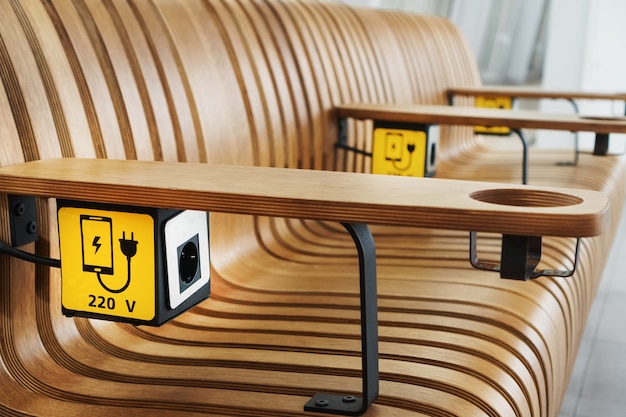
399, 152
493, 103
107, 262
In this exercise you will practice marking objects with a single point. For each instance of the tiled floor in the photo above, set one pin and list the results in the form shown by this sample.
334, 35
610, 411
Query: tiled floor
598, 383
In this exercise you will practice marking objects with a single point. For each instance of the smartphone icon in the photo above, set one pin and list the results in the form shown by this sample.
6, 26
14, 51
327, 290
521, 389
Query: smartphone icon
97, 243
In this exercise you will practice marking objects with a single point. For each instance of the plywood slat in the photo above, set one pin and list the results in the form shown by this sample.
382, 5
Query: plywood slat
470, 116
322, 195
529, 92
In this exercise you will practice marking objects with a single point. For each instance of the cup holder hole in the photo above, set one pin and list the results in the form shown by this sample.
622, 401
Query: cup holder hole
525, 198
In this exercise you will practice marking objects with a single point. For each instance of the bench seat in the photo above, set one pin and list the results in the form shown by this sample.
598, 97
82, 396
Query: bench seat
255, 82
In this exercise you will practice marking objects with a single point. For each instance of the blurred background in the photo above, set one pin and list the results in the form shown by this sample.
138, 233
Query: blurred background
569, 43
555, 44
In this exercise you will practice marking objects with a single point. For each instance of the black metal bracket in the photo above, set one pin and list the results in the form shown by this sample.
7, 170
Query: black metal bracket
601, 147
601, 144
576, 138
519, 258
522, 138
348, 404
23, 219
519, 134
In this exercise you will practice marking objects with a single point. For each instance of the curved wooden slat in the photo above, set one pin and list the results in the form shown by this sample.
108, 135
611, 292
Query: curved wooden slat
254, 82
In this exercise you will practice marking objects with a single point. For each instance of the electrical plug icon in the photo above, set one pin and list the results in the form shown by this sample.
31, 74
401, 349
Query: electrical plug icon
129, 249
128, 246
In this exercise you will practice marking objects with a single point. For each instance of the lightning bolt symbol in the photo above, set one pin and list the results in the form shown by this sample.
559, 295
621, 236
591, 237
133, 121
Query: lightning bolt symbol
96, 244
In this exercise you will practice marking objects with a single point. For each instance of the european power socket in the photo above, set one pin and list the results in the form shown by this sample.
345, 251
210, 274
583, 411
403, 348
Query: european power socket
186, 255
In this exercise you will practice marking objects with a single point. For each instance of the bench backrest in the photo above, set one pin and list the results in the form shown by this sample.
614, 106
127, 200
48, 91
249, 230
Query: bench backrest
226, 82
211, 81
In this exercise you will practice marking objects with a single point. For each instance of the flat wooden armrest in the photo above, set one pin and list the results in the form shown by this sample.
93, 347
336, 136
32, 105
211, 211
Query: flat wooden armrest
530, 92
472, 116
322, 195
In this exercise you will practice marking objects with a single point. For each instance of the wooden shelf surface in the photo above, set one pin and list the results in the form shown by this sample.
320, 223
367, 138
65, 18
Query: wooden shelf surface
529, 92
473, 116
322, 195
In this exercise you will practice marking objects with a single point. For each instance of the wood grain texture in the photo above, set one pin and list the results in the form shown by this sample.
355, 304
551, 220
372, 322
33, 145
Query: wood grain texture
458, 115
255, 82
308, 194
529, 92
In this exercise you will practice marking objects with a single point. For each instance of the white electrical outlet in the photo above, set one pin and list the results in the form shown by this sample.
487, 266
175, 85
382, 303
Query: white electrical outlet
187, 255
431, 151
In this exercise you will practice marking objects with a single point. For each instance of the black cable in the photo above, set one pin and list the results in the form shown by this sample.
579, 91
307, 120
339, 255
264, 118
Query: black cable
30, 257
129, 249
126, 284
395, 163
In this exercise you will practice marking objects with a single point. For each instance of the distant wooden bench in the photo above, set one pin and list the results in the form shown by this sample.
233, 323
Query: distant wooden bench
257, 83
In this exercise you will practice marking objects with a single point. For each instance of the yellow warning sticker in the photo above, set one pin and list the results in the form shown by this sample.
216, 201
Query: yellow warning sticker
107, 262
493, 103
399, 152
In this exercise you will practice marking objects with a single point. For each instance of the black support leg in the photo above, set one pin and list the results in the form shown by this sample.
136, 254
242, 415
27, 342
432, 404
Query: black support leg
347, 404
601, 147
522, 138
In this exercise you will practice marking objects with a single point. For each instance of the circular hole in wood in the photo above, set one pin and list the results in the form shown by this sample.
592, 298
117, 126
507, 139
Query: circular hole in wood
525, 198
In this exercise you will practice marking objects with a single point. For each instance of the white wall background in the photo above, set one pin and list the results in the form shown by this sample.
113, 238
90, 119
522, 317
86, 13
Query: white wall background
585, 50
506, 36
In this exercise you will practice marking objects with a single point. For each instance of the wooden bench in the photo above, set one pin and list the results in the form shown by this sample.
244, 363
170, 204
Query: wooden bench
257, 83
